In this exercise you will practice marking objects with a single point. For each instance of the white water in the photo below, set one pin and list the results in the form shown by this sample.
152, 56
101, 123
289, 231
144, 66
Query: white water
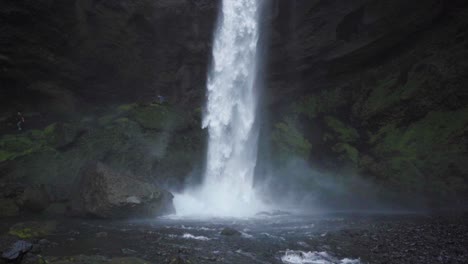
227, 189
301, 257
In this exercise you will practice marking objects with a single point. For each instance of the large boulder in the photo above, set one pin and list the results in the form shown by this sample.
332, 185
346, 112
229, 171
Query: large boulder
104, 193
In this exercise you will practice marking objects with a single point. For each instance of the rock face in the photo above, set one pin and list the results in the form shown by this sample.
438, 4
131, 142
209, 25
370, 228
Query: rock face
66, 54
373, 89
156, 143
104, 193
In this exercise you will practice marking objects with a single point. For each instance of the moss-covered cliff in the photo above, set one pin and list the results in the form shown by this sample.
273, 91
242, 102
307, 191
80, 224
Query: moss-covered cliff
376, 89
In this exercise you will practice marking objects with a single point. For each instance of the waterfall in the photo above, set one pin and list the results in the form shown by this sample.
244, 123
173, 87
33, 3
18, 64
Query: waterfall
230, 117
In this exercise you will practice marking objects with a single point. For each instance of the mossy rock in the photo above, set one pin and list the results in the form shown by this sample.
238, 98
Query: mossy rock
344, 132
324, 102
157, 117
126, 107
27, 230
8, 208
348, 151
60, 134
14, 146
289, 141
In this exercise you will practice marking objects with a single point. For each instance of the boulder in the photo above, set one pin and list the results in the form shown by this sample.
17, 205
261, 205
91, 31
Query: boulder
18, 249
230, 232
104, 193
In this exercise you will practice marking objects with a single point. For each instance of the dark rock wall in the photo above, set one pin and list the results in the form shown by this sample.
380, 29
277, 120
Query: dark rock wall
369, 88
57, 56
375, 89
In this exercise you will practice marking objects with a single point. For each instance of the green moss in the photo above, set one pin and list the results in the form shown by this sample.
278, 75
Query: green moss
381, 96
308, 106
5, 155
60, 134
157, 117
343, 132
437, 130
14, 146
289, 141
349, 151
122, 120
36, 134
29, 230
324, 102
126, 107
50, 129
416, 156
105, 120
410, 89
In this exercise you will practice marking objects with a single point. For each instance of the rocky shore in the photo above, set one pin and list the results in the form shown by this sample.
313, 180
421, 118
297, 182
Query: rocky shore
399, 238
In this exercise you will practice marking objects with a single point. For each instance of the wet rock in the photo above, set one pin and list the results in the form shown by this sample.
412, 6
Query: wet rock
82, 259
179, 260
44, 242
128, 251
101, 234
36, 249
230, 232
128, 261
27, 230
18, 249
30, 258
104, 193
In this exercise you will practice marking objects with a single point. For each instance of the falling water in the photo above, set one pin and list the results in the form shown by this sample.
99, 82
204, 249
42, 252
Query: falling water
230, 117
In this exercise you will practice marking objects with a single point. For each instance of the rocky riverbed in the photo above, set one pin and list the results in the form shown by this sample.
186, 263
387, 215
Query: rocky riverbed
337, 238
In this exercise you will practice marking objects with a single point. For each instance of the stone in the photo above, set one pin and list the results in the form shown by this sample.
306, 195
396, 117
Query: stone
129, 260
128, 251
82, 259
16, 250
104, 193
101, 234
230, 232
30, 258
27, 230
178, 260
